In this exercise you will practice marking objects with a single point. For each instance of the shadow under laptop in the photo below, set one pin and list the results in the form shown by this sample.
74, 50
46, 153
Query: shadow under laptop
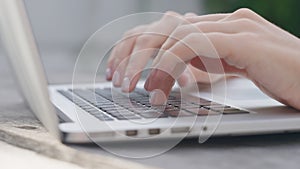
266, 140
152, 149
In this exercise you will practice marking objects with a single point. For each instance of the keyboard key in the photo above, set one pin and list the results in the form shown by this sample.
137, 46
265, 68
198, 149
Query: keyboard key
136, 105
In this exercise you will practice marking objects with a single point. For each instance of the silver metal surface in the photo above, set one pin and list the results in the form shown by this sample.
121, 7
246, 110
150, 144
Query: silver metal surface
20, 46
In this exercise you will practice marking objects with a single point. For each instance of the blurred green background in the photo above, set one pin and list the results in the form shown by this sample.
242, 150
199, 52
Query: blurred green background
284, 13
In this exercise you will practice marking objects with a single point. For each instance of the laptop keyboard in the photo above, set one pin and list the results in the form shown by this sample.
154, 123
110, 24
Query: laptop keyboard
108, 105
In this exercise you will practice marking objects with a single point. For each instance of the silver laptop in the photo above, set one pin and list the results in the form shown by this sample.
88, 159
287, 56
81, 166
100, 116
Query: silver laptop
99, 113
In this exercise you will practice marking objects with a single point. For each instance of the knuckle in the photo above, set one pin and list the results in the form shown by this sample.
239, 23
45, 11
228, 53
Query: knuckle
244, 13
190, 38
171, 16
201, 27
180, 31
144, 40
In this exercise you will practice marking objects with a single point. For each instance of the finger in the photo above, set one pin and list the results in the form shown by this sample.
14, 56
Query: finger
178, 55
204, 61
195, 75
191, 75
244, 13
202, 27
122, 49
160, 91
211, 45
137, 63
118, 73
163, 82
151, 40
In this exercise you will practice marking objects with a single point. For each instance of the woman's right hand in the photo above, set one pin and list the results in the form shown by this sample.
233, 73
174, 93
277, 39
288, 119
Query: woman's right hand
245, 43
140, 44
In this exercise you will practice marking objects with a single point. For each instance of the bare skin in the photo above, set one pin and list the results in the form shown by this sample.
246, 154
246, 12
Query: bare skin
245, 44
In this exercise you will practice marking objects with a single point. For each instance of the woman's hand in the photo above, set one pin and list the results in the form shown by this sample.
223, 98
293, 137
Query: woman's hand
245, 44
138, 45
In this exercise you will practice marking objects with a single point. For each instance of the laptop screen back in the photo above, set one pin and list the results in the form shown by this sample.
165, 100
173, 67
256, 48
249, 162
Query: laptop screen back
19, 43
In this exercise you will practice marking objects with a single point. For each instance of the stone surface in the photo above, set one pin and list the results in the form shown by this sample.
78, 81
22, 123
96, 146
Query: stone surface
34, 137
13, 157
19, 127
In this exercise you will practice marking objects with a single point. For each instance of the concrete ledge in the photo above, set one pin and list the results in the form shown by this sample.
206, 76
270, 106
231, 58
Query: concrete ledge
36, 138
19, 127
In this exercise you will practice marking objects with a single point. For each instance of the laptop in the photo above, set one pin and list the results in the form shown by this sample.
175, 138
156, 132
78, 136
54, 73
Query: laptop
84, 113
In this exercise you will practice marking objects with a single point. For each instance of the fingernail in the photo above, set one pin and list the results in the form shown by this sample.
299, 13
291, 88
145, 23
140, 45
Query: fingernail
157, 97
126, 84
116, 79
108, 74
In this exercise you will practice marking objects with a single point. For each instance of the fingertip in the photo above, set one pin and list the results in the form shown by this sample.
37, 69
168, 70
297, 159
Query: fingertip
157, 97
108, 74
116, 79
159, 89
128, 85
